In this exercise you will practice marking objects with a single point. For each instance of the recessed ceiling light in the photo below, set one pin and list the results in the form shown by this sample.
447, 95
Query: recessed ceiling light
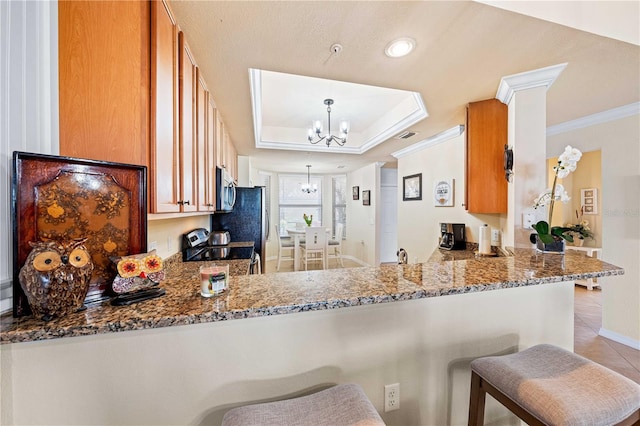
400, 47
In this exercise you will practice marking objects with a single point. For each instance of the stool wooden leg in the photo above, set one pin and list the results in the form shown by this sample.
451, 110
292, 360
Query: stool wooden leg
476, 401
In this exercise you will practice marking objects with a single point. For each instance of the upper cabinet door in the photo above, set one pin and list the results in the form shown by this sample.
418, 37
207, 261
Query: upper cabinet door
486, 185
187, 131
210, 162
202, 101
164, 170
103, 65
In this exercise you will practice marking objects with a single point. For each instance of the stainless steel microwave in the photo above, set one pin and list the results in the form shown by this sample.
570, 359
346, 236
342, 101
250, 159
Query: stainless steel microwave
225, 191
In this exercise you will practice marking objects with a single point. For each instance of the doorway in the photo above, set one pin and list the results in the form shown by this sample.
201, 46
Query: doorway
388, 215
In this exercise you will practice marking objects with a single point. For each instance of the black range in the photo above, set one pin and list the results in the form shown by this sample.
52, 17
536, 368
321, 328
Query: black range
196, 247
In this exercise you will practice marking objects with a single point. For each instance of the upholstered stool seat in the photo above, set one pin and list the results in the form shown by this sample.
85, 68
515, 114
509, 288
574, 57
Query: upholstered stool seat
547, 385
339, 405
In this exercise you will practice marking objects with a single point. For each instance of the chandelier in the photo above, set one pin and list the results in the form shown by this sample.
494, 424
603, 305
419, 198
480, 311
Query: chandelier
328, 138
307, 188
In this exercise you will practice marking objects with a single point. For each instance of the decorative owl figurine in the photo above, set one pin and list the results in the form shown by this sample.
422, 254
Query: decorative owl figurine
56, 277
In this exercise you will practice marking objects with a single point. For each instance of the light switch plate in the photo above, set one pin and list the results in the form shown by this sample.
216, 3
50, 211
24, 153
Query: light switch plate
495, 237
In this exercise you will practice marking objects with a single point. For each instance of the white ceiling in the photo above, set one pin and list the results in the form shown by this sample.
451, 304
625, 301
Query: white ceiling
285, 104
463, 49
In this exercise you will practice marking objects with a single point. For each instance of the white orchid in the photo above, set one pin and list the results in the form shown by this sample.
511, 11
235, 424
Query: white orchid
567, 163
544, 199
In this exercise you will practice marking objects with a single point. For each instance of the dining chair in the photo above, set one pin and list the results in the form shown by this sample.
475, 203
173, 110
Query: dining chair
334, 245
284, 244
314, 247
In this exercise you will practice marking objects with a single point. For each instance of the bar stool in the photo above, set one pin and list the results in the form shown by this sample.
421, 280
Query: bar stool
339, 405
547, 385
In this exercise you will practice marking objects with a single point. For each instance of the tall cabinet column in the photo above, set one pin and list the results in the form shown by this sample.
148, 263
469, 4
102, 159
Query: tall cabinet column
526, 96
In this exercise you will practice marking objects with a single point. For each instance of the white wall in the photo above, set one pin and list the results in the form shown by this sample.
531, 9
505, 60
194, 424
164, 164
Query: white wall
620, 202
418, 221
167, 233
362, 238
28, 104
190, 375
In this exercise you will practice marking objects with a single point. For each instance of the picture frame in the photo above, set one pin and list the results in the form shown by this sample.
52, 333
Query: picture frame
443, 192
55, 178
412, 187
366, 198
356, 192
589, 200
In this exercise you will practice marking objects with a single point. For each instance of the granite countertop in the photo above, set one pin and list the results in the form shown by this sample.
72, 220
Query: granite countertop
468, 254
282, 293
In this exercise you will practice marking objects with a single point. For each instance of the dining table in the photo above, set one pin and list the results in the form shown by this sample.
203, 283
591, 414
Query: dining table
298, 235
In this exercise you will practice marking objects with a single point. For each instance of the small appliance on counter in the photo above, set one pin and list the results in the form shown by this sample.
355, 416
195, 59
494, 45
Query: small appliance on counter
452, 236
200, 244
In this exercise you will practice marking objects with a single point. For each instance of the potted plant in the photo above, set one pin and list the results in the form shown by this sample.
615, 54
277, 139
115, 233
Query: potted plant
552, 238
308, 219
581, 230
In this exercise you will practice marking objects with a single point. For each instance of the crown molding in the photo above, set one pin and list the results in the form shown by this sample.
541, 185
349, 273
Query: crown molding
255, 82
431, 141
419, 114
543, 77
593, 119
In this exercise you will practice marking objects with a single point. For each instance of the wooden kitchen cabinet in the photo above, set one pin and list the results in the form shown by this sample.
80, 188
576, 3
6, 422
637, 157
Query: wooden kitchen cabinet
486, 185
128, 92
164, 169
210, 162
226, 156
231, 158
205, 148
186, 129
219, 139
103, 70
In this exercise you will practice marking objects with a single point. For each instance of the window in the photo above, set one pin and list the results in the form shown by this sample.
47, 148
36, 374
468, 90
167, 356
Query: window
293, 203
339, 199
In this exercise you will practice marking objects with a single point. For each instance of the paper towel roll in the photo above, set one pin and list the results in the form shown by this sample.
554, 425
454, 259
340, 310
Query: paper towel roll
484, 240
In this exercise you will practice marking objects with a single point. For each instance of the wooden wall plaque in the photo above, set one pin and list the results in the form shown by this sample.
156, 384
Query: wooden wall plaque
56, 197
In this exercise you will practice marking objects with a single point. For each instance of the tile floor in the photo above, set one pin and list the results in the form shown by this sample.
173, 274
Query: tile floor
587, 342
587, 323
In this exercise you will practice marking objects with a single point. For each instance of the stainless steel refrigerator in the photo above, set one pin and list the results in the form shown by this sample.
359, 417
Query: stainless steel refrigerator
248, 221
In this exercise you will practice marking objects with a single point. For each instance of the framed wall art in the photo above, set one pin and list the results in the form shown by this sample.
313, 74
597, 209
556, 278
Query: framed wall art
366, 198
356, 192
62, 198
589, 200
443, 193
412, 187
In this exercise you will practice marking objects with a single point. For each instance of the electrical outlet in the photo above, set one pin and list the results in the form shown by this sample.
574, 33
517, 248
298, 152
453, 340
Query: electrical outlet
169, 243
391, 397
528, 220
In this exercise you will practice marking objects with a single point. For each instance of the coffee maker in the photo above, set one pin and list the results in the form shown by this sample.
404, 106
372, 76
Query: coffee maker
452, 236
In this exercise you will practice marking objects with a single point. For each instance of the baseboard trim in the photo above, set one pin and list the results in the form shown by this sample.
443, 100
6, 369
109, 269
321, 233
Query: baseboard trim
624, 340
355, 260
351, 258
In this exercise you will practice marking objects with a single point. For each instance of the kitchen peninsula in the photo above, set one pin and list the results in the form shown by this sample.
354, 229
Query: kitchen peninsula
495, 305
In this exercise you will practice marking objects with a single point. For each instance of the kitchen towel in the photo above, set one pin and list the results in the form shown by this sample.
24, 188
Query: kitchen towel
484, 240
